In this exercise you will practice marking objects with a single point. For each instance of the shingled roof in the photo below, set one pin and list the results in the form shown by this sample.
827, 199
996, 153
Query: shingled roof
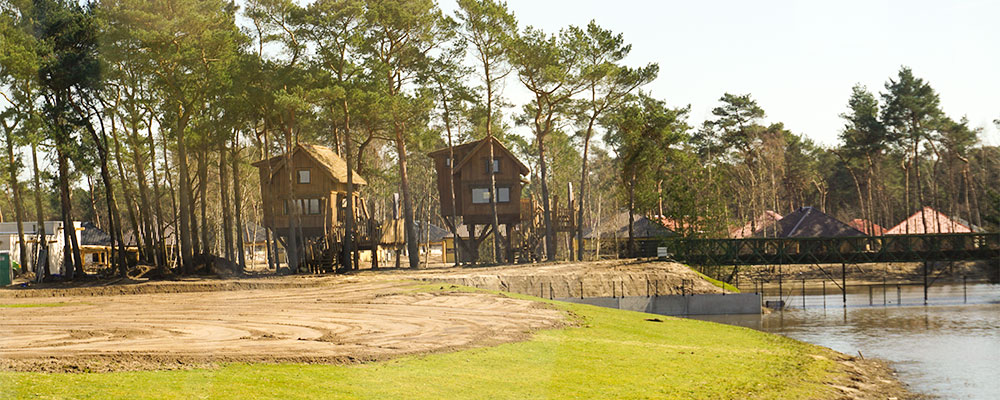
617, 226
863, 225
332, 164
808, 222
937, 222
763, 222
467, 150
93, 236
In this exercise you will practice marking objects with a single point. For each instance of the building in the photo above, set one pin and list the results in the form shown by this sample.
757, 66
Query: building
432, 243
610, 237
312, 188
764, 222
808, 222
307, 190
869, 228
468, 167
936, 222
55, 242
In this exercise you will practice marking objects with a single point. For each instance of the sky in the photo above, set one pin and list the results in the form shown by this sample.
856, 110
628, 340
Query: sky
798, 59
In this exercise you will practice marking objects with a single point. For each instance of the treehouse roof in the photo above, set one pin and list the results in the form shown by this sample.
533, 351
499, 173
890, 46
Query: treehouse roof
334, 166
467, 151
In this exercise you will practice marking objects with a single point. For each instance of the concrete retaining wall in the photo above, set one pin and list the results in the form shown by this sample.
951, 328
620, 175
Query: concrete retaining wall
738, 303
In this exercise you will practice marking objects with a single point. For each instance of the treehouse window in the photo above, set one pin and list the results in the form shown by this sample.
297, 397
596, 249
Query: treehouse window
304, 176
496, 166
503, 194
303, 207
482, 195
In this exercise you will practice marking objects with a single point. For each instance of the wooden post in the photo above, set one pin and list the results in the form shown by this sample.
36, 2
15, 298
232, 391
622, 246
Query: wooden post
824, 294
781, 291
803, 293
926, 265
843, 282
510, 242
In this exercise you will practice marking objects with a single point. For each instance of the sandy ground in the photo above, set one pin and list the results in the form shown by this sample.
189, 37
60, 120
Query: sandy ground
367, 316
340, 321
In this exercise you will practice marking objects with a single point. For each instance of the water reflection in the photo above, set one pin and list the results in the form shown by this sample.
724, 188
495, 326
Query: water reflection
950, 348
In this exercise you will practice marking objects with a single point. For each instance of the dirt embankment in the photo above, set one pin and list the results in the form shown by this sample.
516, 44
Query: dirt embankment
868, 379
584, 279
339, 322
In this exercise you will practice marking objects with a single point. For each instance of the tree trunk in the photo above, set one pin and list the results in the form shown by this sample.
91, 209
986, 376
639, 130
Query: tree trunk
185, 209
550, 231
72, 261
292, 251
583, 185
453, 226
404, 186
152, 239
631, 217
271, 242
114, 216
238, 206
18, 209
349, 223
158, 224
227, 215
206, 240
42, 245
498, 246
141, 239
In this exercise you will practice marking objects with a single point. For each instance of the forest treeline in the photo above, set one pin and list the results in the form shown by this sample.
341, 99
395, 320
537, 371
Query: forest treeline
144, 117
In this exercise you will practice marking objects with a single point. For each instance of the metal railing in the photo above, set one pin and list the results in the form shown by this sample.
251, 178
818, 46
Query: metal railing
852, 250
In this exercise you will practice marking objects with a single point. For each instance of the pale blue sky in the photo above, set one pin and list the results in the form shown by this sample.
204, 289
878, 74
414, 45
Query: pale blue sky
799, 59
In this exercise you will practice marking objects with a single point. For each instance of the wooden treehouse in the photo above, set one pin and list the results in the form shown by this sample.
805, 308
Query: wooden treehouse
468, 170
308, 192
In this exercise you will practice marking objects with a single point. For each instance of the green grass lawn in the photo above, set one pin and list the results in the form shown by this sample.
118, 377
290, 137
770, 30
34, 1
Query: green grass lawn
29, 305
612, 354
725, 286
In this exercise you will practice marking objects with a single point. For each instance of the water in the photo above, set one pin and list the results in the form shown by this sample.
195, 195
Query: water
949, 348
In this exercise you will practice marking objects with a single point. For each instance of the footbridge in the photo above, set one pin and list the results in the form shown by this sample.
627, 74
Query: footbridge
835, 250
925, 248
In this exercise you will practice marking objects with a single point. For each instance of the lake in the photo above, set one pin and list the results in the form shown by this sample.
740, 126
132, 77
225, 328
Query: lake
949, 348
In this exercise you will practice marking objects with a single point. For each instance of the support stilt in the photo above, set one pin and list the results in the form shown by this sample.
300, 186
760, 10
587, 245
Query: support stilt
843, 282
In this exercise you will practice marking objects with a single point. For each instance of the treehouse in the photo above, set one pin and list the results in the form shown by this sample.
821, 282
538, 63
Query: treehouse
469, 170
308, 191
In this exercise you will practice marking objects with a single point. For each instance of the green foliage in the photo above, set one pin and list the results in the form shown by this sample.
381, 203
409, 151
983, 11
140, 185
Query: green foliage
644, 134
864, 133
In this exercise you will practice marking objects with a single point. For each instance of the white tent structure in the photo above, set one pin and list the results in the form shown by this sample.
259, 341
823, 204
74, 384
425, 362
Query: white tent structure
53, 236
